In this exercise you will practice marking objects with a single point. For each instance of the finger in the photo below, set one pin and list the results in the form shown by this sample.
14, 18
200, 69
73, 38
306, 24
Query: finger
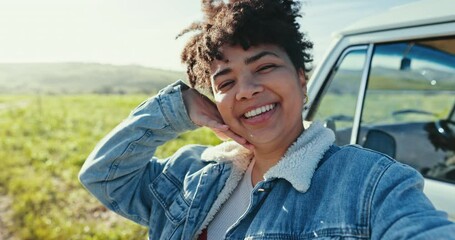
234, 137
225, 134
249, 146
240, 140
216, 125
220, 135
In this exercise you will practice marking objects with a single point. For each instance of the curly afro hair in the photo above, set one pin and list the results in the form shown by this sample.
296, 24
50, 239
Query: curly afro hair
245, 23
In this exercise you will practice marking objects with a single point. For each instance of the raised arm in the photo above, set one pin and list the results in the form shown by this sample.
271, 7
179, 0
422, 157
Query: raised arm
400, 210
122, 165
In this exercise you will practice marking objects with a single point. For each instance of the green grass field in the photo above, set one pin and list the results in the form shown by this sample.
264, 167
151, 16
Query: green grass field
44, 142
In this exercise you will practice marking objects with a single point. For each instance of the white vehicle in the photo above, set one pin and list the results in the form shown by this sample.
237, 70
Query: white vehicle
388, 83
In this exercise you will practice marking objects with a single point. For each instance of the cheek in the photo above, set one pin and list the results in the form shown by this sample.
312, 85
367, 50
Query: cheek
218, 98
222, 103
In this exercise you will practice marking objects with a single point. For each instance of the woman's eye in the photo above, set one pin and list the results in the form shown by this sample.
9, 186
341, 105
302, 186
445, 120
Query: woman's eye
266, 68
225, 85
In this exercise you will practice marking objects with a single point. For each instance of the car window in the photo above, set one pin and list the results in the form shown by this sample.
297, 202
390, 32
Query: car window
408, 104
338, 100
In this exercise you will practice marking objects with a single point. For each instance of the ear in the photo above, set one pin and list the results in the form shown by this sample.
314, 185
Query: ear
302, 79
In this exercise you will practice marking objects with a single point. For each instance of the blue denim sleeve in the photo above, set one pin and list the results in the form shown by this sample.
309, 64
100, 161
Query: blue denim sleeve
400, 209
121, 167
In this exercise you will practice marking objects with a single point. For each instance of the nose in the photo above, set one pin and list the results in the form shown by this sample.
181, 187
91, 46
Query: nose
248, 87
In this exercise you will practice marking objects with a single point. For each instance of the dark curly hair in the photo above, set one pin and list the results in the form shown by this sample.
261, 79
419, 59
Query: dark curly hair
245, 23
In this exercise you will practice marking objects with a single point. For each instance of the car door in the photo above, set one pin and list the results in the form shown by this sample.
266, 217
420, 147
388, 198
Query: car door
397, 97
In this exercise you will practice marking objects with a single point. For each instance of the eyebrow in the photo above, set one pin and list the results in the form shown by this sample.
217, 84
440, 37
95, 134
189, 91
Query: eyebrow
247, 61
259, 56
219, 73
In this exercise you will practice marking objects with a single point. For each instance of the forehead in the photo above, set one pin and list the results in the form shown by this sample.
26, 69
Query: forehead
231, 55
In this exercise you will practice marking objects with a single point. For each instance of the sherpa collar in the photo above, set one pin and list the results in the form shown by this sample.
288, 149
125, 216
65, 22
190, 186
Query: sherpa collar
301, 159
297, 165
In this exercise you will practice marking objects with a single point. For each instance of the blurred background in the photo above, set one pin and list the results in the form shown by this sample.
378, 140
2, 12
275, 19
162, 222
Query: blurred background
70, 71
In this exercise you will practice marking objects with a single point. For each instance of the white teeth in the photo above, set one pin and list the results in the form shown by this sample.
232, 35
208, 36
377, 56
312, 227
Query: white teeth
259, 110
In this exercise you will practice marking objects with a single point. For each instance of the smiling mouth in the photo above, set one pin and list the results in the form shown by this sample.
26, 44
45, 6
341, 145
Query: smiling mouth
259, 111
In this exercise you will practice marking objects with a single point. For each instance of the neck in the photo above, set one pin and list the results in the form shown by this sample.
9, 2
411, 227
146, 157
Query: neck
261, 166
268, 155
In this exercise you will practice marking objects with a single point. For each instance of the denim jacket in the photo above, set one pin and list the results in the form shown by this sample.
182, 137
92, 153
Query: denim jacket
316, 191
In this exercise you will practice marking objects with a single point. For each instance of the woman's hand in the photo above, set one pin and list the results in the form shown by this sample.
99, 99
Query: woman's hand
204, 112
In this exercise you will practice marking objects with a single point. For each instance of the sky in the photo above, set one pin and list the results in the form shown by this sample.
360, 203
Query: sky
140, 32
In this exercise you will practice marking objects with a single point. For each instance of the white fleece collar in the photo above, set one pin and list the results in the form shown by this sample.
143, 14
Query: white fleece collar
301, 159
296, 166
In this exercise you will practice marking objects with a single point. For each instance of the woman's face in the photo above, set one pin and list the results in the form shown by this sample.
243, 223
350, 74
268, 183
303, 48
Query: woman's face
259, 94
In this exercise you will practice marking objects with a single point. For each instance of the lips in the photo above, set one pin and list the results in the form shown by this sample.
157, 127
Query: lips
258, 111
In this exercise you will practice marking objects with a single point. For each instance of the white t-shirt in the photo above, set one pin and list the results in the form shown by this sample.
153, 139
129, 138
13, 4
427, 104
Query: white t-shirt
233, 208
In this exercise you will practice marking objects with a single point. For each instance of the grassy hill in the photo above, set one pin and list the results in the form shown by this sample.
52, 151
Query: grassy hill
73, 78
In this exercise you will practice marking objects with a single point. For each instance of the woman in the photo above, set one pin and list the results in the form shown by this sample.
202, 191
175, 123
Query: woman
279, 178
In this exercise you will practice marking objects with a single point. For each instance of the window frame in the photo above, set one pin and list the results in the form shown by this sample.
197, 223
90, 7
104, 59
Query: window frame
362, 86
362, 92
